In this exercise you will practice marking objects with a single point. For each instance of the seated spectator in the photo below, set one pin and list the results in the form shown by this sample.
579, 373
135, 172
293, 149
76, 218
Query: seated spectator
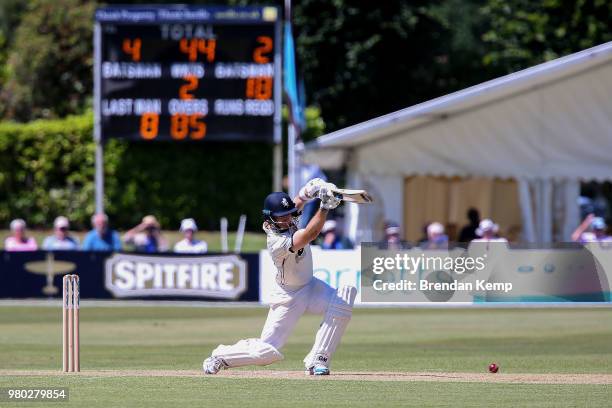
146, 236
332, 239
190, 245
597, 232
61, 239
436, 239
392, 238
18, 241
101, 238
487, 231
468, 233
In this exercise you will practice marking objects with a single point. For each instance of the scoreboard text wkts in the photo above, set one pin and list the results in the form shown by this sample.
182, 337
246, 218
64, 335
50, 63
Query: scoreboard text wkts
187, 73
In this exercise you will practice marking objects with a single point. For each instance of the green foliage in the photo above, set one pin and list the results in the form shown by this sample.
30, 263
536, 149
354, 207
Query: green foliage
315, 126
523, 33
48, 73
204, 181
10, 16
47, 169
365, 59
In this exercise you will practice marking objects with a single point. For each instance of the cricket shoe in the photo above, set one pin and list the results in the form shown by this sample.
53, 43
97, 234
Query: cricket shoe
318, 369
212, 365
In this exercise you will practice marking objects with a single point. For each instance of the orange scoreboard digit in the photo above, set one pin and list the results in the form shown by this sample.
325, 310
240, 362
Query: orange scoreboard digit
187, 73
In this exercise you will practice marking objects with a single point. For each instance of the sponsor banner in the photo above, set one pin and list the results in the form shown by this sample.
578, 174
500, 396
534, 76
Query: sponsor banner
500, 273
105, 275
486, 272
221, 276
335, 267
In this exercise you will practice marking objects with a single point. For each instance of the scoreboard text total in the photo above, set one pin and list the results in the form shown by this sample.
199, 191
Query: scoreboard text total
211, 78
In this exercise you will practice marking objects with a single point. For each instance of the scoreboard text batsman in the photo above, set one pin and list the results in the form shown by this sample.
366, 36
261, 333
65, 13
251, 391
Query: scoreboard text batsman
186, 73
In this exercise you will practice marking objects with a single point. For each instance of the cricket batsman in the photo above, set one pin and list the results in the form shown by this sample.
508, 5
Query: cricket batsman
296, 290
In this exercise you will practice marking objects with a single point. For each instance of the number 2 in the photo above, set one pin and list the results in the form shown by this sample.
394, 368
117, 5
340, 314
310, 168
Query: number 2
264, 48
190, 86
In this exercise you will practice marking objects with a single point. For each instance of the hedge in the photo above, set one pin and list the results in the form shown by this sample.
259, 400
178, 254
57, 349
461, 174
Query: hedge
47, 169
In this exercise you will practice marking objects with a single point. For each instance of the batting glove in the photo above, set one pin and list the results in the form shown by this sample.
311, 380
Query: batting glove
311, 189
329, 200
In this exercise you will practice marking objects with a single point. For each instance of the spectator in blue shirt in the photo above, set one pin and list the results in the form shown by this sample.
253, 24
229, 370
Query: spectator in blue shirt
331, 238
101, 238
61, 239
436, 238
146, 236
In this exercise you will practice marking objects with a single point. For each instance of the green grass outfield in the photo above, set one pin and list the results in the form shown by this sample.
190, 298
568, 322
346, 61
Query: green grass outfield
545, 341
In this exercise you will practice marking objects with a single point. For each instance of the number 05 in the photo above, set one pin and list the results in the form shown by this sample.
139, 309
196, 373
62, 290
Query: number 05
182, 124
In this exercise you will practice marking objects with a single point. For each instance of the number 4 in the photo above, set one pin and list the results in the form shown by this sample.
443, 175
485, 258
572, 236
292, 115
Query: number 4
132, 48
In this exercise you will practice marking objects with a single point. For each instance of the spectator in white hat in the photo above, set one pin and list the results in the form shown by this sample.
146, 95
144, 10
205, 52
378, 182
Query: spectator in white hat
18, 241
592, 229
436, 238
487, 231
190, 245
61, 239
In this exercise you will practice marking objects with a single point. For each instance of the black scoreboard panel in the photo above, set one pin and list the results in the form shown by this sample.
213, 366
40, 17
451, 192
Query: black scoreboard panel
182, 79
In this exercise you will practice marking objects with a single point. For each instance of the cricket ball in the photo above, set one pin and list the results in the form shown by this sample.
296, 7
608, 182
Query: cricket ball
493, 368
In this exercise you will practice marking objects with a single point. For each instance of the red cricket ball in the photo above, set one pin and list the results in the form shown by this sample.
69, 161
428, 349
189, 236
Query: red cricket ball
493, 368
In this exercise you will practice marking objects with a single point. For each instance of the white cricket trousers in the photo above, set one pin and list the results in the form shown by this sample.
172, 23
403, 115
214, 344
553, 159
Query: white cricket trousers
313, 298
316, 297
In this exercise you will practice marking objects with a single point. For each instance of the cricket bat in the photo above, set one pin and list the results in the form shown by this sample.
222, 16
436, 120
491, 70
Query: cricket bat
353, 196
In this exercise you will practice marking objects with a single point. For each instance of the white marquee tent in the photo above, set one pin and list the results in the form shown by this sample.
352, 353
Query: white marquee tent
547, 127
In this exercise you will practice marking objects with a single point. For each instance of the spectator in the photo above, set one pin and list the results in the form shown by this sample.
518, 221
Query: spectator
332, 239
468, 233
598, 227
190, 245
60, 240
18, 241
146, 236
392, 238
487, 231
436, 239
101, 238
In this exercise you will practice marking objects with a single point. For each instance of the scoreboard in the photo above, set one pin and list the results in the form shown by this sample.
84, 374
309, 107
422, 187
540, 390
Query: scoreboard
187, 73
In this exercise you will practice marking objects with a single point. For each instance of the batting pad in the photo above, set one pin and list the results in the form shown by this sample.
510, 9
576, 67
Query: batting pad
334, 324
247, 352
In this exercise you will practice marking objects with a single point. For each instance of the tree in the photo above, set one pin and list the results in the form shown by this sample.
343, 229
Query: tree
10, 16
364, 59
523, 33
50, 61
